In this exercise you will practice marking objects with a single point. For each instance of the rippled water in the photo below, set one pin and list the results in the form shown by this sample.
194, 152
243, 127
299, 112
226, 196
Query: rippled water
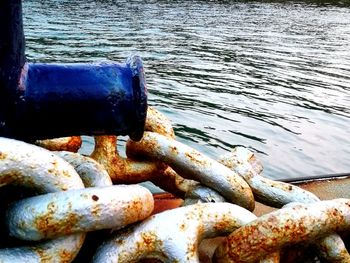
273, 76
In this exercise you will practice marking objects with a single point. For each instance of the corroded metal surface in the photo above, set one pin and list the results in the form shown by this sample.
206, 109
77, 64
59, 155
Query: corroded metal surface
159, 123
60, 250
174, 235
129, 170
190, 163
71, 144
64, 213
270, 192
32, 166
290, 225
208, 246
277, 193
29, 165
123, 170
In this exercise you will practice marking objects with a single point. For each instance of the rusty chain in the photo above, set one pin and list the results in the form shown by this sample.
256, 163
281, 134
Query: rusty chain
76, 195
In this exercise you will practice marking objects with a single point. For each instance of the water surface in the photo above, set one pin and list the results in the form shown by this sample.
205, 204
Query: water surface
273, 76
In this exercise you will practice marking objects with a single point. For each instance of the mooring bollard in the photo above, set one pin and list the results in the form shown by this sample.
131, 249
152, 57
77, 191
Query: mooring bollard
40, 101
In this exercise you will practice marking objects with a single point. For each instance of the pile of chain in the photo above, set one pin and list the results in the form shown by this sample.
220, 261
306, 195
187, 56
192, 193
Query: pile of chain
87, 202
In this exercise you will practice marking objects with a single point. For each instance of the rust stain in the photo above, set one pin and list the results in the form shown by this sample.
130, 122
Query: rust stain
66, 173
147, 243
171, 182
124, 170
71, 144
49, 226
55, 164
74, 144
223, 224
116, 169
8, 178
192, 250
150, 241
183, 227
133, 210
66, 255
44, 257
2, 155
196, 157
159, 123
201, 229
265, 237
148, 238
286, 187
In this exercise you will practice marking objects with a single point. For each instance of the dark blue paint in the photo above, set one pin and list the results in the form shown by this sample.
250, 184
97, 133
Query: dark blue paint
40, 101
72, 99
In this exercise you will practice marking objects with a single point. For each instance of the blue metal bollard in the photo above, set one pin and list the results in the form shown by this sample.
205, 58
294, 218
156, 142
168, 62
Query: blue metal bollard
39, 101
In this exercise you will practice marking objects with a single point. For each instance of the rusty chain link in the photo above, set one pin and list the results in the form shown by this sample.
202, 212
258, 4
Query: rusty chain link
64, 210
287, 226
174, 235
278, 194
34, 167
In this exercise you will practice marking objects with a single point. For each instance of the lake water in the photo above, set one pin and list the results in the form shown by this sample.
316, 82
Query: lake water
273, 76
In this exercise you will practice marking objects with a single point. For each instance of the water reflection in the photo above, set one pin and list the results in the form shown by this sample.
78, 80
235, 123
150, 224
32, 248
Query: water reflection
269, 75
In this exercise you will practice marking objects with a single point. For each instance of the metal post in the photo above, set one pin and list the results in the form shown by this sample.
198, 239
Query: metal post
12, 54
